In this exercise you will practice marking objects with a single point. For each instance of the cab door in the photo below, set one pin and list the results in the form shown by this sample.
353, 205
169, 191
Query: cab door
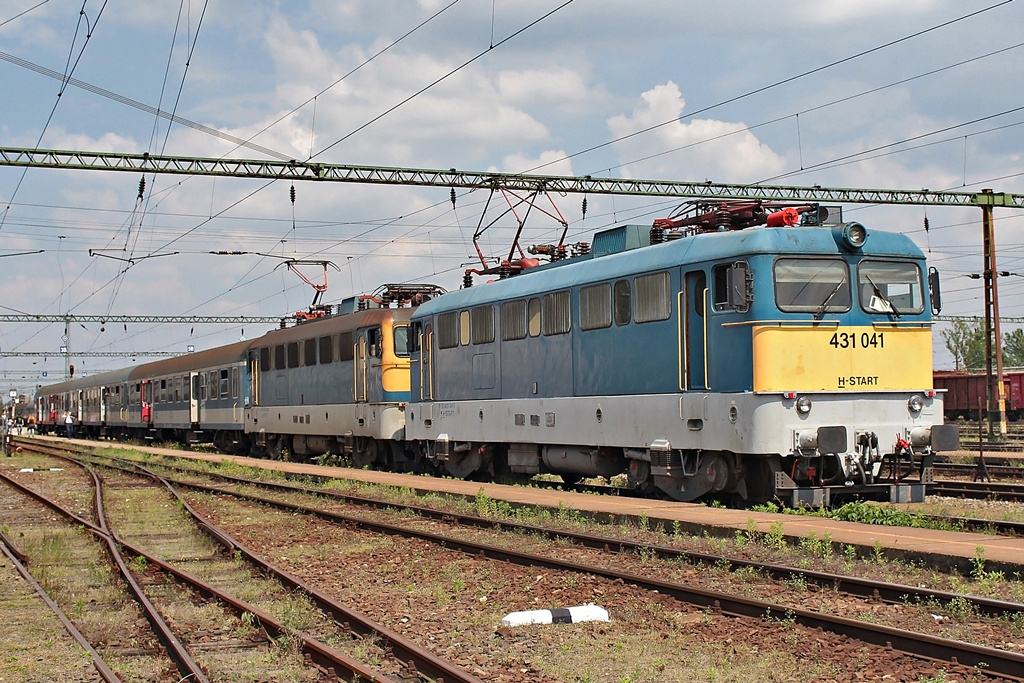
369, 370
695, 316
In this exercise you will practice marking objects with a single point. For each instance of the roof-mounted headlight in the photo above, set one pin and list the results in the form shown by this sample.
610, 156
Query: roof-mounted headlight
850, 236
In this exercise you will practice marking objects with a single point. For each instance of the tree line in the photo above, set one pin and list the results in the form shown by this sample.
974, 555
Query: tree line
966, 342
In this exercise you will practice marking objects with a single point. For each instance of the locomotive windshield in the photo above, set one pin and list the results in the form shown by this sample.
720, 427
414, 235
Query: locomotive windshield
890, 287
812, 285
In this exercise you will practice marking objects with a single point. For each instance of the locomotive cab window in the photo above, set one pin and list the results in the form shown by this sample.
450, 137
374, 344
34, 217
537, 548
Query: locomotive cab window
373, 340
623, 302
812, 285
731, 289
448, 330
892, 287
401, 341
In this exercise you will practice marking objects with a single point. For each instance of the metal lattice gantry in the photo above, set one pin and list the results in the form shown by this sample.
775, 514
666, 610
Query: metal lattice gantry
92, 354
453, 178
150, 319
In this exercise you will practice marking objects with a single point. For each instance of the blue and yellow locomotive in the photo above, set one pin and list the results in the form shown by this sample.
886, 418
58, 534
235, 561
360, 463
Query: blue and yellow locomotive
705, 355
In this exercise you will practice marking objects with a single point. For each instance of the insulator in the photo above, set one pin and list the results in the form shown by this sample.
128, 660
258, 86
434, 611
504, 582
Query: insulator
926, 224
505, 270
584, 207
453, 197
723, 220
142, 187
657, 235
291, 192
559, 253
467, 280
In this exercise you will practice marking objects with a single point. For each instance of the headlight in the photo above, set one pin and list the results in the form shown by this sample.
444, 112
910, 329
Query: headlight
803, 405
915, 403
850, 236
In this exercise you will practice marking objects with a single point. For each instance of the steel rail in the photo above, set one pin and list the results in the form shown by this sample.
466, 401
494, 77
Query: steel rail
18, 560
990, 660
325, 657
977, 489
867, 588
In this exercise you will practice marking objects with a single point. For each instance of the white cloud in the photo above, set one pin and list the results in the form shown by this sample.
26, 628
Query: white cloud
706, 148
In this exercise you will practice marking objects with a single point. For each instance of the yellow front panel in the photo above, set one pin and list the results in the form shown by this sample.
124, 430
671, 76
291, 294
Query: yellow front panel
865, 358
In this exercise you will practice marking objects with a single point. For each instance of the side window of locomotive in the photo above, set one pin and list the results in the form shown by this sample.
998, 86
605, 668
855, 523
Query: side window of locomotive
596, 306
265, 359
730, 290
513, 320
812, 285
310, 352
653, 299
346, 346
293, 354
890, 287
401, 342
373, 341
326, 350
533, 317
481, 323
279, 357
448, 330
464, 328
555, 316
623, 302
413, 338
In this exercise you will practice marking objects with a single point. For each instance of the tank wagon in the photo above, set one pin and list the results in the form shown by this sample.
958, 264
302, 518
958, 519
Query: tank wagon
706, 355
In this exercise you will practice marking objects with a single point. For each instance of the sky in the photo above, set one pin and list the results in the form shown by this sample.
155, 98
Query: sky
905, 94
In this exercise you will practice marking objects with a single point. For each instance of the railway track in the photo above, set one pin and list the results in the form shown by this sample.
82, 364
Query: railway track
418, 664
994, 661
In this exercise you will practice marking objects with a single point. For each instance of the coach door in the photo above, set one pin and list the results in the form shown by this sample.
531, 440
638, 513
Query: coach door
695, 348
195, 381
147, 400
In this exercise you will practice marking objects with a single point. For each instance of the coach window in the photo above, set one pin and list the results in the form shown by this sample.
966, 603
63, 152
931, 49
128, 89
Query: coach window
202, 385
177, 389
890, 287
513, 320
293, 354
163, 391
279, 357
653, 297
310, 352
224, 384
326, 351
596, 306
186, 388
401, 341
482, 324
555, 317
623, 302
448, 330
812, 285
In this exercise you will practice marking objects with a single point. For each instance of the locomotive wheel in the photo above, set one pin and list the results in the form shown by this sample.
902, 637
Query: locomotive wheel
367, 455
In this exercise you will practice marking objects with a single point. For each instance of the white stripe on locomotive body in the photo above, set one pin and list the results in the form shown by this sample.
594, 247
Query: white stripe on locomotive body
761, 423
